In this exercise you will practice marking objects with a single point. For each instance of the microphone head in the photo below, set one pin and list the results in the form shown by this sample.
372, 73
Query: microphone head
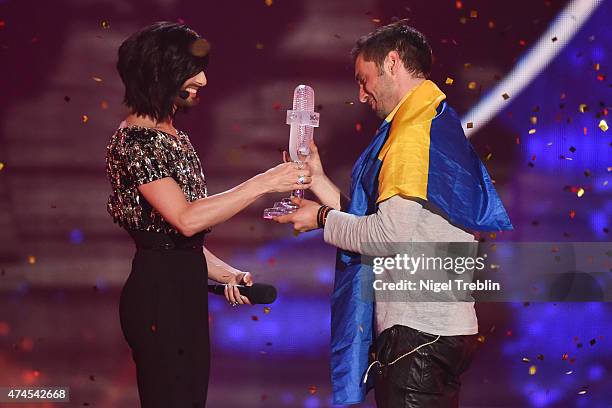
261, 293
303, 98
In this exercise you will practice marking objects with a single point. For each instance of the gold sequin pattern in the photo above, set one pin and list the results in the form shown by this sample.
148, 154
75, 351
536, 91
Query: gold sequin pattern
139, 155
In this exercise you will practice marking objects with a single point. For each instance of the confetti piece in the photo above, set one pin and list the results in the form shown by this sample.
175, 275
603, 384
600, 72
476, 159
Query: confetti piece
259, 46
449, 81
506, 96
603, 125
522, 43
268, 3
469, 125
569, 372
572, 214
572, 149
463, 20
4, 328
564, 357
474, 13
358, 127
532, 370
582, 392
491, 25
534, 120
1, 166
104, 105
376, 20
266, 309
255, 318
467, 65
349, 102
592, 342
458, 5
105, 24
580, 192
488, 157
84, 118
153, 328
97, 79
31, 259
554, 39
525, 360
481, 338
532, 131
583, 107
200, 47
540, 357
472, 85
312, 389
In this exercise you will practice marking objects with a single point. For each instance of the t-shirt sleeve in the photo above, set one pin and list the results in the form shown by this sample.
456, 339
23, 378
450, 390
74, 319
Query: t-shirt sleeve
146, 159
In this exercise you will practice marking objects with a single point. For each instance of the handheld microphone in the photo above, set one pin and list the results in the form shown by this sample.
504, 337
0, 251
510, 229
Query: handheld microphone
258, 293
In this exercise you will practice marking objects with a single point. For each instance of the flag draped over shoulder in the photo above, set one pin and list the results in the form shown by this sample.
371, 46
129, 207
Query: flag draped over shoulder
419, 151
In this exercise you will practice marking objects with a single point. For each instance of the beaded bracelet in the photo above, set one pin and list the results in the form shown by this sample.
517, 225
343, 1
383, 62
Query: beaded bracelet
322, 215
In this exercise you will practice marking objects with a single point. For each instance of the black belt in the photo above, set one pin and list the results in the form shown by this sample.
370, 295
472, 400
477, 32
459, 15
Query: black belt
161, 241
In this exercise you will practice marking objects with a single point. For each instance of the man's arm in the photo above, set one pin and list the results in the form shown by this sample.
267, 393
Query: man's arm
394, 222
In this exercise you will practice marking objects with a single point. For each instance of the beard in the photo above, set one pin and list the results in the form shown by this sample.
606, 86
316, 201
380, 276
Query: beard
185, 104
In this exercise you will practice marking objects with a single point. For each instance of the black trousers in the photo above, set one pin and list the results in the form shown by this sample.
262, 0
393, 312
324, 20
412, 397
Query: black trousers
427, 378
164, 317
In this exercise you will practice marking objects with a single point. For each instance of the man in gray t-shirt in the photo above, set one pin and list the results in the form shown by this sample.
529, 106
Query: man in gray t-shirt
418, 182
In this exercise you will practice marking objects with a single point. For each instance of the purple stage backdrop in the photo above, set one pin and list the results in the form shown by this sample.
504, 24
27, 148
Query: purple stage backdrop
63, 261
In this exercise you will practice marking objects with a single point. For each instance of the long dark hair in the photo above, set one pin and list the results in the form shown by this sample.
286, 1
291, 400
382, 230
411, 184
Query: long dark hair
153, 64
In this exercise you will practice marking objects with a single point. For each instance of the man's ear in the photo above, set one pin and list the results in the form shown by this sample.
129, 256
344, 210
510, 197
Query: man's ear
393, 62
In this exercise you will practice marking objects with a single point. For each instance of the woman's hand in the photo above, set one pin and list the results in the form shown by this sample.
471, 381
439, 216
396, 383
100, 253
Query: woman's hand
232, 292
314, 164
285, 177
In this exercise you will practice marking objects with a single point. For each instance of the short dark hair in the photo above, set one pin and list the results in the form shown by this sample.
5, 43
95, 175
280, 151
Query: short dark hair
410, 44
153, 64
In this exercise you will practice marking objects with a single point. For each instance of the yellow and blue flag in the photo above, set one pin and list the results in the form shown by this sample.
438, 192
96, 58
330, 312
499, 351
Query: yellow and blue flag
419, 151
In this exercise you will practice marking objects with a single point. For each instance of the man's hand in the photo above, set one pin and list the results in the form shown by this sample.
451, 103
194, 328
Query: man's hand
305, 218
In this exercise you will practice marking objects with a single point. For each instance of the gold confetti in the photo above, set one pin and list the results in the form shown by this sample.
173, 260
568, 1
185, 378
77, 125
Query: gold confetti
104, 105
532, 131
470, 125
603, 125
449, 81
532, 370
474, 13
580, 192
534, 120
349, 102
481, 338
491, 24
463, 20
200, 47
31, 259
268, 2
467, 65
525, 360
266, 309
583, 107
488, 156
596, 66
1, 166
376, 20
84, 118
312, 389
472, 85
105, 24
97, 79
259, 46
506, 96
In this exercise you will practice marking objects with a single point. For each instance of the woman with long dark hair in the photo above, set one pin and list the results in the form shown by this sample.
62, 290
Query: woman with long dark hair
159, 196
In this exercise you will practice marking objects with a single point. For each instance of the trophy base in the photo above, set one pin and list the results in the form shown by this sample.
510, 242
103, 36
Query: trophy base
283, 207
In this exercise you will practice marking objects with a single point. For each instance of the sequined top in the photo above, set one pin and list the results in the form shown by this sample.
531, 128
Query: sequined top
138, 155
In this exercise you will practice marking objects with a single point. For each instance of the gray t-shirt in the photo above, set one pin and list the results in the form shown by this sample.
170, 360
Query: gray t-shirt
404, 220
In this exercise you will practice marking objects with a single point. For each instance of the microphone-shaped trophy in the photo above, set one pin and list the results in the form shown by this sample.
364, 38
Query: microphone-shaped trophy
302, 119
